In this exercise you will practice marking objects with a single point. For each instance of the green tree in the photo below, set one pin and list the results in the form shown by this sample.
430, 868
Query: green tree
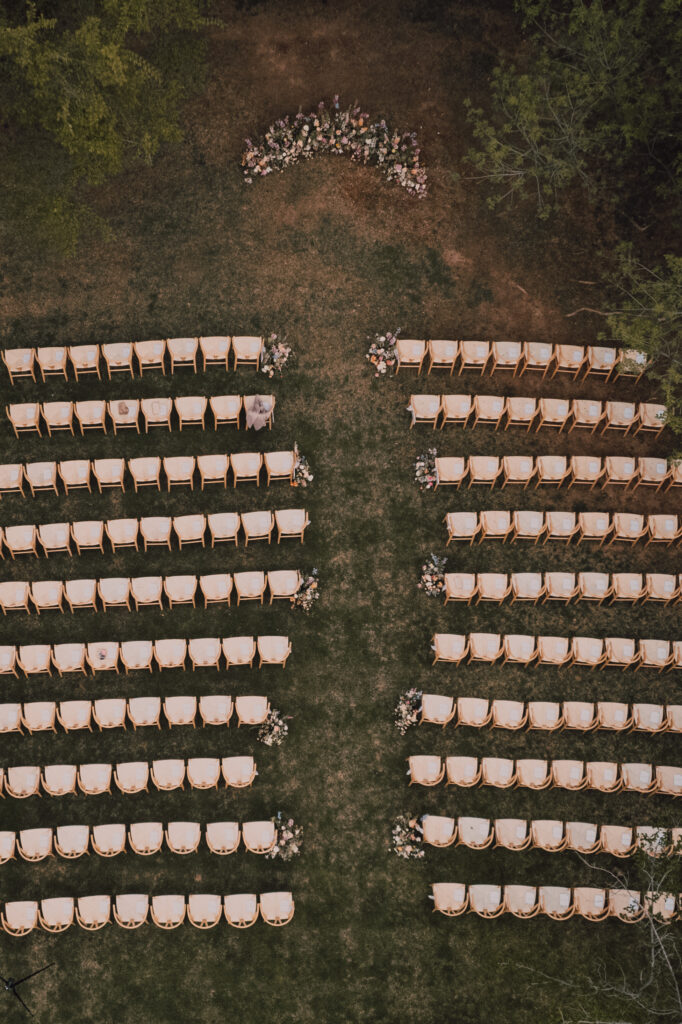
647, 317
596, 104
88, 89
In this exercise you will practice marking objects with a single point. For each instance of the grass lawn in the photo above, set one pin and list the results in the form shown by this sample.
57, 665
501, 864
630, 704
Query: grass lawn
329, 254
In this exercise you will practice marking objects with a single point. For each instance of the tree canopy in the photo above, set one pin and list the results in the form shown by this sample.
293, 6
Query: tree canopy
89, 88
596, 103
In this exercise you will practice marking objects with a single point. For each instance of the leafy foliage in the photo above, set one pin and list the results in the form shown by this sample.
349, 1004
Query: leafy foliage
88, 90
649, 320
595, 106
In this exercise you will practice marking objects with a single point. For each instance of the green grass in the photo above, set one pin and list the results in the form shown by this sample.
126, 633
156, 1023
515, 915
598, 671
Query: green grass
196, 252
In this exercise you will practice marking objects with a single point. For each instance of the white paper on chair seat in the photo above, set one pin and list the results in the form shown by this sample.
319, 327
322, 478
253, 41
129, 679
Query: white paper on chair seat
590, 835
628, 467
629, 412
544, 352
634, 524
575, 772
585, 715
594, 409
529, 897
662, 652
609, 355
566, 584
25, 358
594, 466
493, 898
619, 715
567, 522
526, 465
670, 524
677, 779
557, 831
602, 523
661, 467
157, 348
625, 838
562, 407
643, 777
668, 586
599, 900
539, 772
520, 832
599, 585
564, 899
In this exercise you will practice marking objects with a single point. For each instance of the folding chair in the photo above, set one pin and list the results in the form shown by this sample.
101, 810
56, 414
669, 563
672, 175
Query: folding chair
599, 362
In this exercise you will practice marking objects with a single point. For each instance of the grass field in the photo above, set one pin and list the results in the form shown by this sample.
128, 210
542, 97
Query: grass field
329, 254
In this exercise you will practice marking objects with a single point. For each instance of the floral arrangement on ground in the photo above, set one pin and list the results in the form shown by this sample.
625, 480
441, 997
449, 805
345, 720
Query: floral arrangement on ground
407, 710
274, 729
332, 130
308, 591
275, 355
289, 838
425, 470
432, 580
406, 838
302, 475
381, 352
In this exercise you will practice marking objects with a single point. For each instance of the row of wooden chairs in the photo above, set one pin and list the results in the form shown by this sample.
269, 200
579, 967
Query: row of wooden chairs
124, 413
525, 649
563, 525
493, 410
533, 773
556, 470
140, 655
665, 588
215, 709
557, 902
550, 835
130, 776
145, 591
520, 357
133, 910
122, 357
143, 838
88, 534
549, 716
76, 474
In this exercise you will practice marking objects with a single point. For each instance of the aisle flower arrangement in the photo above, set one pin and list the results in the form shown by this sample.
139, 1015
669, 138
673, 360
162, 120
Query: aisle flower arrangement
425, 470
275, 355
332, 130
308, 592
274, 729
407, 710
302, 474
406, 838
381, 352
289, 839
432, 580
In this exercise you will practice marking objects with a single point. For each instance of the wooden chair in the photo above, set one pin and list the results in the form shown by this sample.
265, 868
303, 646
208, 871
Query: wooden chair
124, 414
520, 412
179, 471
25, 418
424, 409
182, 352
215, 351
584, 469
118, 358
473, 355
651, 418
567, 359
84, 359
150, 355
109, 473
535, 356
410, 354
75, 474
455, 409
620, 416
585, 415
41, 476
156, 412
57, 416
146, 472
442, 355
247, 350
52, 362
552, 412
213, 469
19, 363
488, 409
191, 411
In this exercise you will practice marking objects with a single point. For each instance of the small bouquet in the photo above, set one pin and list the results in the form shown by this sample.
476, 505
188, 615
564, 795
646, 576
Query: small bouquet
407, 710
302, 475
308, 592
406, 838
381, 353
432, 580
274, 356
425, 470
274, 729
289, 839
